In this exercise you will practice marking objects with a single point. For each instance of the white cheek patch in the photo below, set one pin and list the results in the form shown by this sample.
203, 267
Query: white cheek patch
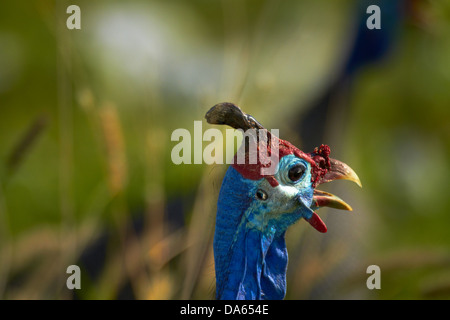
281, 199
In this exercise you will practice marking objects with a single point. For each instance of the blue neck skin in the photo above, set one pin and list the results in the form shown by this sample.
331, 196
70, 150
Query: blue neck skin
249, 243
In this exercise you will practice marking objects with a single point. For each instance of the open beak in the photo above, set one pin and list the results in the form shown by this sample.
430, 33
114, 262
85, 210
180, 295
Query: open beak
337, 171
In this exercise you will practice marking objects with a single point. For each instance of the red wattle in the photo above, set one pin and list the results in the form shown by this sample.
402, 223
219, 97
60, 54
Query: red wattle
317, 223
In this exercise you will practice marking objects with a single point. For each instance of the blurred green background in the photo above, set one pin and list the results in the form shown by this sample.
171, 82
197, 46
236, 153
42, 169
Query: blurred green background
86, 118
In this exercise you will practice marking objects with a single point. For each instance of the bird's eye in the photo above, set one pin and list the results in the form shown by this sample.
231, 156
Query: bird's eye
261, 195
296, 172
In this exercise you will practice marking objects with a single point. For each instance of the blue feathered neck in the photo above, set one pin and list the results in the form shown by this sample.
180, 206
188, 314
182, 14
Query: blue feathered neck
250, 257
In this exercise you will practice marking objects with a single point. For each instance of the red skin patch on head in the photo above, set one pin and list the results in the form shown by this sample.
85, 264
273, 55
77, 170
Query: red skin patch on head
321, 157
319, 160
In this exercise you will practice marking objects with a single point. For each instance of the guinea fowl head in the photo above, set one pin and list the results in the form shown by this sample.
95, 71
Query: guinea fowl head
256, 206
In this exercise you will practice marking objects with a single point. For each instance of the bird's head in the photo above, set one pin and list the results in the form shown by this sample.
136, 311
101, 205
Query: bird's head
256, 206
